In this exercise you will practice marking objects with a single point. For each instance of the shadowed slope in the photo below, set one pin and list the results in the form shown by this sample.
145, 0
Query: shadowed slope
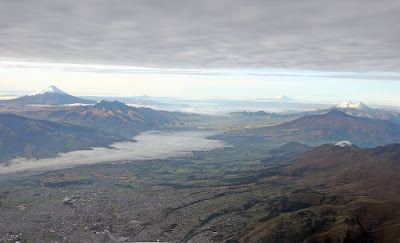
335, 194
114, 117
326, 128
20, 136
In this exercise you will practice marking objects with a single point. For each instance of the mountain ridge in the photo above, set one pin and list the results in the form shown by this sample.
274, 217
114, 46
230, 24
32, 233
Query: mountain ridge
329, 127
286, 152
359, 109
113, 117
337, 194
32, 138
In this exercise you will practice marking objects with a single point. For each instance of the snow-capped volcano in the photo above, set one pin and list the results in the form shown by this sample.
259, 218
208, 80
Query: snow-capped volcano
282, 97
344, 144
351, 105
50, 96
50, 89
362, 110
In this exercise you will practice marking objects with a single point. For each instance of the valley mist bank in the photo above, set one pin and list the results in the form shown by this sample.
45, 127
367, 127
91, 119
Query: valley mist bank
149, 145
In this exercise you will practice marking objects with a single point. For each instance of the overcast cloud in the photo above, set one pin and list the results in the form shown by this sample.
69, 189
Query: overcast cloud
313, 35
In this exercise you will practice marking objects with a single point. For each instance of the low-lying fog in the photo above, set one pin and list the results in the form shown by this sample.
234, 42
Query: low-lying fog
148, 145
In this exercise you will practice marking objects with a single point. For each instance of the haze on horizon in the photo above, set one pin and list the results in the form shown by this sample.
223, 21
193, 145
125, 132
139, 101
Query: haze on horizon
314, 51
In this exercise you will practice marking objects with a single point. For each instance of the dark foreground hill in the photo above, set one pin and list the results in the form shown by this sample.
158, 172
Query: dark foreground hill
24, 137
334, 194
330, 127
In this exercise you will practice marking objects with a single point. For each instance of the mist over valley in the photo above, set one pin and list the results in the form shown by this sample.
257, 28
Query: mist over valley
146, 146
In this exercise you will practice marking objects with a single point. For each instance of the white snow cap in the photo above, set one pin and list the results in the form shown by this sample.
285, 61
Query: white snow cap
50, 89
344, 144
282, 97
349, 104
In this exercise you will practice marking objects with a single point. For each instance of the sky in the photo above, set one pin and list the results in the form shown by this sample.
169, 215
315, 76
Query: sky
309, 50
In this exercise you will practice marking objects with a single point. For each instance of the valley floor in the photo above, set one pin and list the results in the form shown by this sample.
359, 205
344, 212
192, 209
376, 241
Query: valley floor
220, 195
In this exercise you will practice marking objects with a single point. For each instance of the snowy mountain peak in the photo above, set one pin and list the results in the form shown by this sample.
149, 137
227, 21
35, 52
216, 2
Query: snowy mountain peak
282, 97
50, 89
351, 105
344, 144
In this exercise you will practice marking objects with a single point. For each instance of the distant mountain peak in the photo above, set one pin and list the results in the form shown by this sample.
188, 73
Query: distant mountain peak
51, 89
344, 144
283, 97
111, 105
351, 105
50, 96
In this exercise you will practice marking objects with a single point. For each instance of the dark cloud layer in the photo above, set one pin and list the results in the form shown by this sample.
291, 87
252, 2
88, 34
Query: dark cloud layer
318, 35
